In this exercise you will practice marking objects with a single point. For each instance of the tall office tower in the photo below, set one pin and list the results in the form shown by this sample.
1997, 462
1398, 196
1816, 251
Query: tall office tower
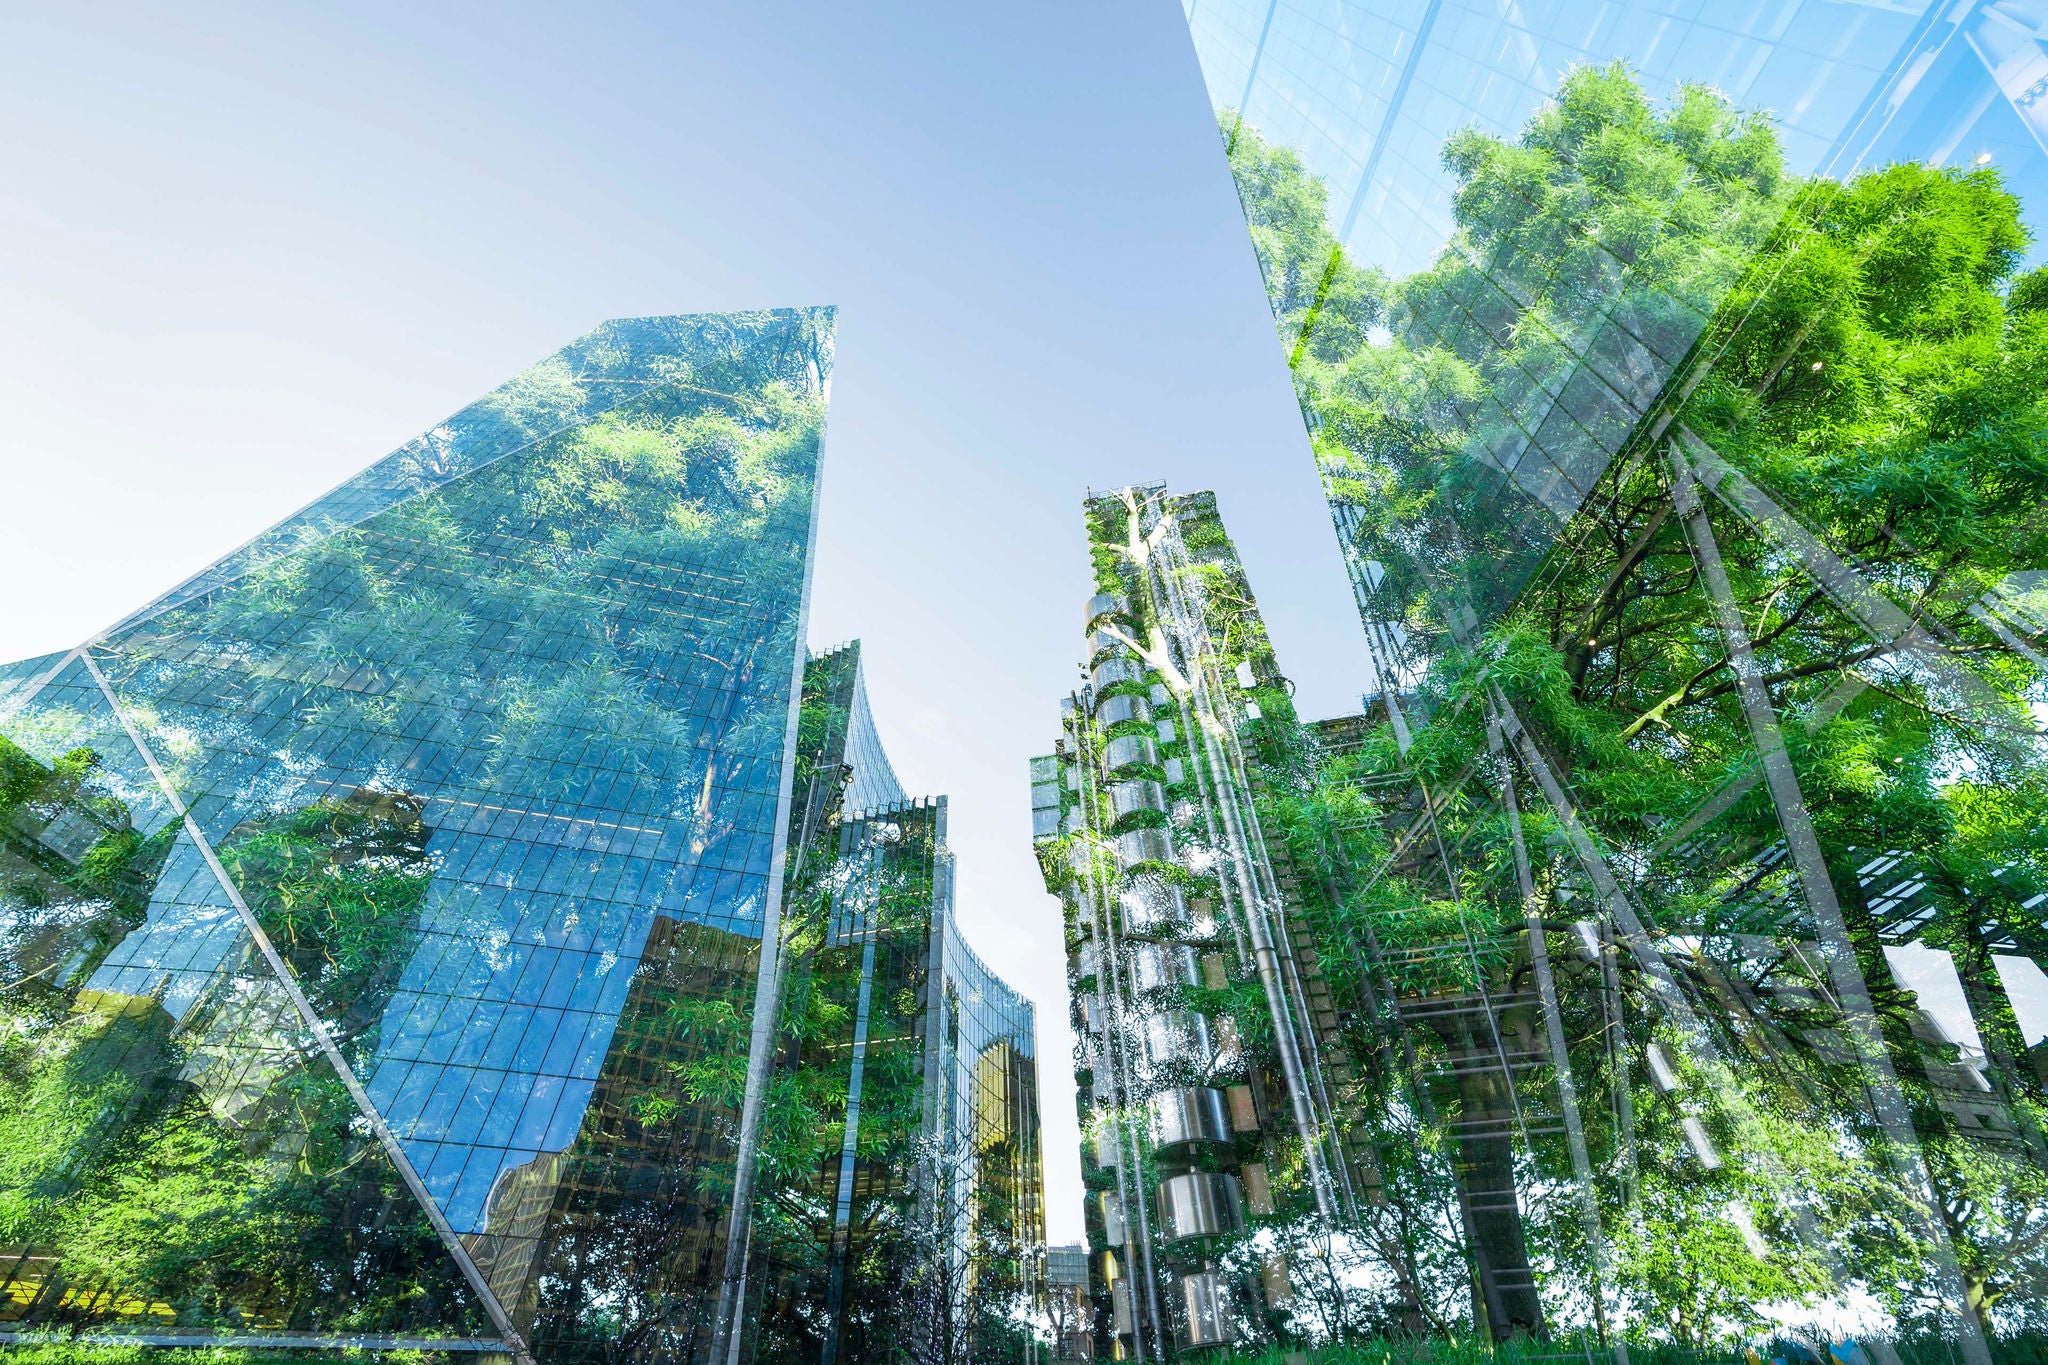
902, 1200
1207, 1100
1677, 387
383, 911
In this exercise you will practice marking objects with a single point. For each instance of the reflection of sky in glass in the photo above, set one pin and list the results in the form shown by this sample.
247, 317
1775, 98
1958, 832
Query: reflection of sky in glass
1368, 93
595, 725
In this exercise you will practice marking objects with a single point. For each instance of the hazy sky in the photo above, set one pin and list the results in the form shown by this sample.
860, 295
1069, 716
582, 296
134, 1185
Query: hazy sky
246, 251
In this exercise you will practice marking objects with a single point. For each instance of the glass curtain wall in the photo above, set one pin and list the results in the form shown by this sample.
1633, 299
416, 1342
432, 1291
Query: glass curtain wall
986, 1145
901, 1206
1674, 373
381, 910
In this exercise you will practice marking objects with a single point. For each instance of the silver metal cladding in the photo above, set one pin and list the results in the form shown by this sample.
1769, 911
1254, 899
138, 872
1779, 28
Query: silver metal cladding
1176, 1036
1106, 604
1107, 641
1112, 1206
1152, 905
1129, 751
1138, 846
1110, 672
1158, 966
1122, 707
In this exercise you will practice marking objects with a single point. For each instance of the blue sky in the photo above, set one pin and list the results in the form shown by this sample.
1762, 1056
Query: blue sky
246, 251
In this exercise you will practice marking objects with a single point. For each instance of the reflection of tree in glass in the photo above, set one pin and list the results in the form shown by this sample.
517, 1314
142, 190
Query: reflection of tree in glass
338, 886
1623, 275
210, 1170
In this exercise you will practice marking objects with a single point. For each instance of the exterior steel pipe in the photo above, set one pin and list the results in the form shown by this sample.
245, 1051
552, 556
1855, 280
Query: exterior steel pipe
1263, 952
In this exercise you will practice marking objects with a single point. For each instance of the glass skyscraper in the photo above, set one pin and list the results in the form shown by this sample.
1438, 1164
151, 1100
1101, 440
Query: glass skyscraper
902, 1201
382, 912
1675, 374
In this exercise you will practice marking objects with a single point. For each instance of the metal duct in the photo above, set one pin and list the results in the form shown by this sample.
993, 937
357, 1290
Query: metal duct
1200, 1204
1189, 1114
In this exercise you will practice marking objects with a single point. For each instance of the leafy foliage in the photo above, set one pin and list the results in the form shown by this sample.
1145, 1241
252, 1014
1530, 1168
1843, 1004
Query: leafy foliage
1494, 436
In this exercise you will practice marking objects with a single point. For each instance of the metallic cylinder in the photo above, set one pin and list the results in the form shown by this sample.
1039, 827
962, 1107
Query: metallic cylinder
1135, 846
1122, 707
1110, 672
1175, 1036
1106, 604
1189, 1114
1127, 751
1202, 1311
1152, 906
1200, 1204
1126, 798
1156, 966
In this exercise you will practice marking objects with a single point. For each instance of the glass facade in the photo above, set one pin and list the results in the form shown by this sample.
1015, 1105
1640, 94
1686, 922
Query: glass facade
987, 1144
381, 910
1675, 377
901, 1206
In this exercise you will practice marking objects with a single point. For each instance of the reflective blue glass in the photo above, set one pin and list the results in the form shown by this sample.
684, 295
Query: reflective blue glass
456, 738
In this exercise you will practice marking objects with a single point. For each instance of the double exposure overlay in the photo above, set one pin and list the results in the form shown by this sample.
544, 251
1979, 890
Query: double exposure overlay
381, 911
1675, 378
902, 1190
